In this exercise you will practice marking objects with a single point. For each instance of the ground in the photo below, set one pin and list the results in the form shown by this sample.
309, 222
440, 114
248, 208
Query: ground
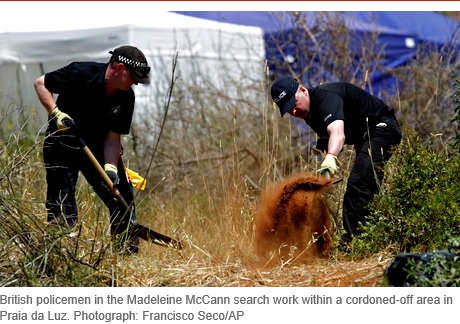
337, 271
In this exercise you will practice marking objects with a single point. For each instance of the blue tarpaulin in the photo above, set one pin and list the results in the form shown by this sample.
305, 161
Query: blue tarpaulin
400, 33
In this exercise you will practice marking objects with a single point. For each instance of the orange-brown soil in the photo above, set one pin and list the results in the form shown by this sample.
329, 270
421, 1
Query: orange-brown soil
293, 223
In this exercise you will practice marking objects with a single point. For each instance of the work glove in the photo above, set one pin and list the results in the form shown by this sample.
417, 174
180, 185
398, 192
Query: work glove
329, 164
112, 172
136, 180
60, 117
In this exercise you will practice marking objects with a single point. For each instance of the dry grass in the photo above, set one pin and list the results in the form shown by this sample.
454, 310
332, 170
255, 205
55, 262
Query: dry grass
223, 254
192, 269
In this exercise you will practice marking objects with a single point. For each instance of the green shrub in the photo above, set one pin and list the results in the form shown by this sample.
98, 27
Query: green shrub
456, 143
418, 208
441, 271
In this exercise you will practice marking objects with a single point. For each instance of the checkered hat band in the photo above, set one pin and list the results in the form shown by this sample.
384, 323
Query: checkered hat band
130, 62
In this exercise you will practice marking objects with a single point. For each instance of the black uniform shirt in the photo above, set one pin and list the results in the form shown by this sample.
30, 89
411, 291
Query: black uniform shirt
347, 102
81, 94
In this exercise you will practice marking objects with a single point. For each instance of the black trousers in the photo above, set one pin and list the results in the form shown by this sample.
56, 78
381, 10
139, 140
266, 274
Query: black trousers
367, 172
64, 159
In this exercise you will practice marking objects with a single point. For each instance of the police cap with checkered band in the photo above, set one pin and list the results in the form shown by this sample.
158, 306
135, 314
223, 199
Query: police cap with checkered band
134, 60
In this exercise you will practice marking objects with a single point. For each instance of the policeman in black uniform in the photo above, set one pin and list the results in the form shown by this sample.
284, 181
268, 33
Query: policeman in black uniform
99, 99
345, 114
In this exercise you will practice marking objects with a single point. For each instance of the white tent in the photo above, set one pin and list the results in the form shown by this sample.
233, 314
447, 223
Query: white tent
38, 37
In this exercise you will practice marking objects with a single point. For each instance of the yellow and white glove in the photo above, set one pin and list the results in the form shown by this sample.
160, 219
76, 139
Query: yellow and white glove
329, 164
112, 172
59, 117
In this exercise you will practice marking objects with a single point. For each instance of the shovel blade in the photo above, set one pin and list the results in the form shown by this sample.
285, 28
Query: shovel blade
150, 235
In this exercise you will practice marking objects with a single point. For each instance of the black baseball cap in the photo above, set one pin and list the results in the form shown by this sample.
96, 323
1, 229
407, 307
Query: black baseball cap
134, 60
283, 93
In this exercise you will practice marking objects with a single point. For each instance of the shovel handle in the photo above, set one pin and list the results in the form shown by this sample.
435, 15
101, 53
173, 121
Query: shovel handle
142, 231
325, 173
104, 176
71, 124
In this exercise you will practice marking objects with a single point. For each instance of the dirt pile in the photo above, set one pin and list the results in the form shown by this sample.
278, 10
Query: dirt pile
293, 223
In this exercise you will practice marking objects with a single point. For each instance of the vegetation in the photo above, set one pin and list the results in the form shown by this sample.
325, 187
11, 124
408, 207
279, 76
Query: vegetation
456, 144
418, 207
428, 219
208, 154
440, 271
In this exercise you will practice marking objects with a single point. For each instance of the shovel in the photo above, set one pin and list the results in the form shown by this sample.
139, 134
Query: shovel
135, 229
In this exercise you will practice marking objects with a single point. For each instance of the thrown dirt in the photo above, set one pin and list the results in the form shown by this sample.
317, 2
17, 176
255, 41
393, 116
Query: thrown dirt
293, 223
